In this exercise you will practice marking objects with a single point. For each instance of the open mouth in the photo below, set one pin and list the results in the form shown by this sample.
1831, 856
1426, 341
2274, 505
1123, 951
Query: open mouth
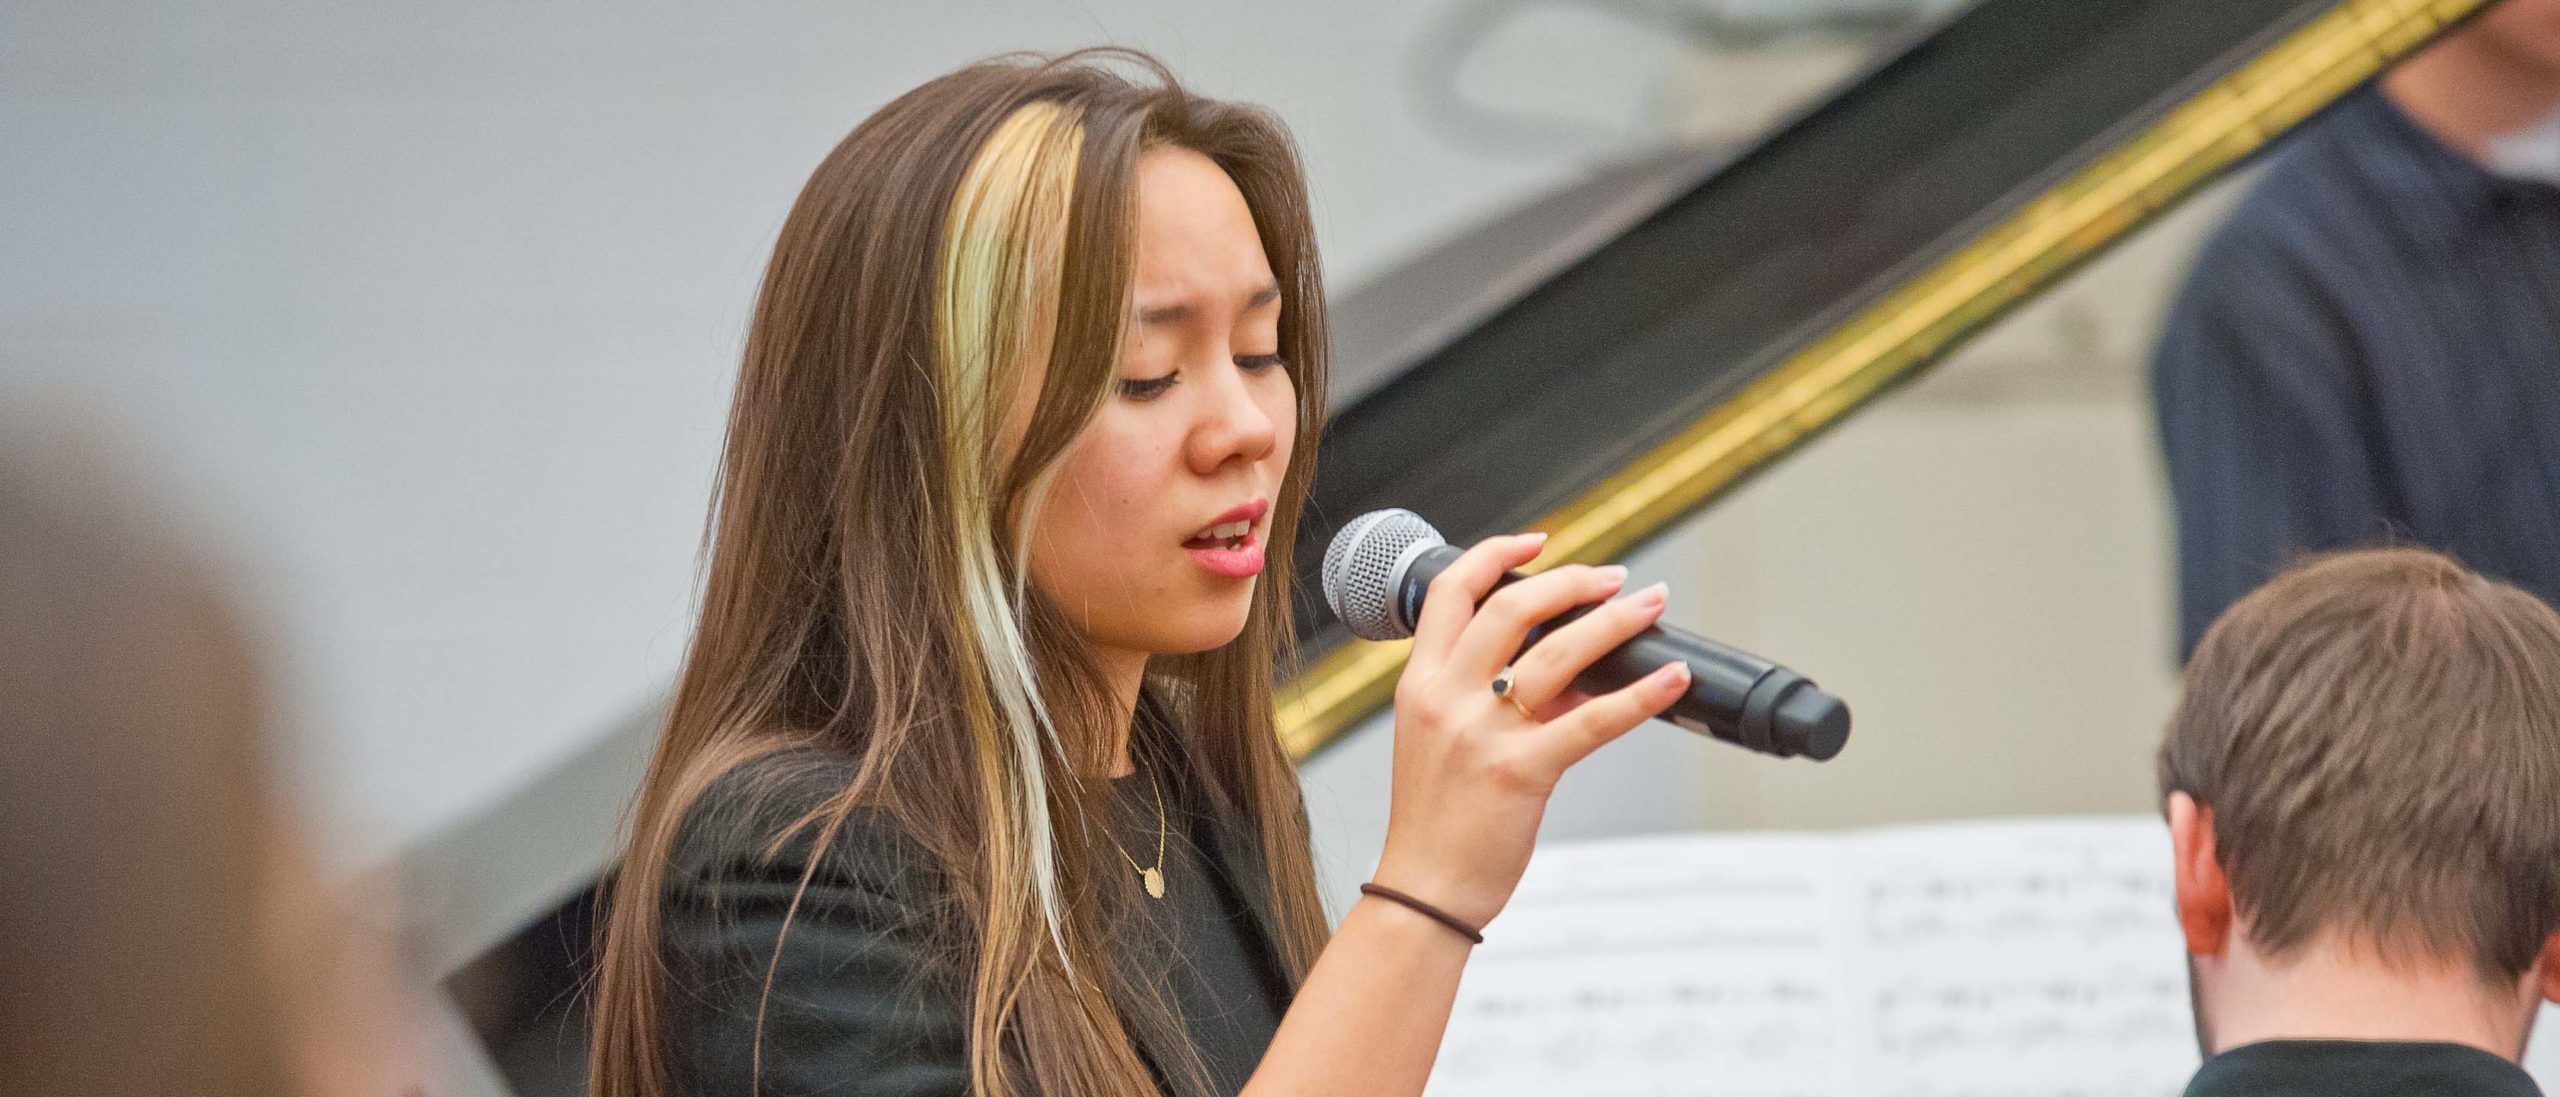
1226, 546
1225, 535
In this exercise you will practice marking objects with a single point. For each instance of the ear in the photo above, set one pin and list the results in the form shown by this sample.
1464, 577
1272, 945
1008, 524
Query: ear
2204, 895
2546, 968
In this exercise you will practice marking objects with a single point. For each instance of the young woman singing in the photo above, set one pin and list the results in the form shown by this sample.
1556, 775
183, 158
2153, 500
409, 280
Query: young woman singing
971, 783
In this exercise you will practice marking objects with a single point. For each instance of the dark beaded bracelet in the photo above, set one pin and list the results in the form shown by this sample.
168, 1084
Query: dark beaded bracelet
1426, 910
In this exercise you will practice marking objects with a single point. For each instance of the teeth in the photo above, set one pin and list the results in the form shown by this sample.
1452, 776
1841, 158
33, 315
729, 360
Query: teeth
1228, 532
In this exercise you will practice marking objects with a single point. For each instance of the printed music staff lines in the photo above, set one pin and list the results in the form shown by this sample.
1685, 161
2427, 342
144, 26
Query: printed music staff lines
2035, 956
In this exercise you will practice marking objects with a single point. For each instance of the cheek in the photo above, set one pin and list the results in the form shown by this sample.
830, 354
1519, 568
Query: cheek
1098, 515
1280, 403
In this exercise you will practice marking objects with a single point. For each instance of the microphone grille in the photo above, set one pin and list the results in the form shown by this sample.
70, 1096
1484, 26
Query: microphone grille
1361, 570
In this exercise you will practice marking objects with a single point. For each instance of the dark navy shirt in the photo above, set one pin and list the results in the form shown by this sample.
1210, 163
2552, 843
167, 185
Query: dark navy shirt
2367, 351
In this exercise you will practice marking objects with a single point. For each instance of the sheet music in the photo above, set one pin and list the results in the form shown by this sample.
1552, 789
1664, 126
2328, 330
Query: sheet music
1659, 967
2542, 1050
2018, 957
2021, 957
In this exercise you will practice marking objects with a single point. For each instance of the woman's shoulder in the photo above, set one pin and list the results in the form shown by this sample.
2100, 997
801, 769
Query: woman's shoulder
867, 999
765, 818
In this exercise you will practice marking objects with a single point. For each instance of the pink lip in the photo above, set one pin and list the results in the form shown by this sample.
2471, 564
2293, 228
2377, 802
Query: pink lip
1251, 510
1243, 561
1234, 563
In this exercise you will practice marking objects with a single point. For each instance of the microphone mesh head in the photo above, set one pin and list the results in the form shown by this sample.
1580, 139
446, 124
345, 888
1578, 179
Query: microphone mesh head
1361, 570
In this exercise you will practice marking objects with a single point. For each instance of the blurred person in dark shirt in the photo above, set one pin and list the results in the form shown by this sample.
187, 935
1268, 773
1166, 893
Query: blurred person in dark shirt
2369, 348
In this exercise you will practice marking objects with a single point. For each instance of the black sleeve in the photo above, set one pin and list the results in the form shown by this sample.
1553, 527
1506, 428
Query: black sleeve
2266, 421
860, 1004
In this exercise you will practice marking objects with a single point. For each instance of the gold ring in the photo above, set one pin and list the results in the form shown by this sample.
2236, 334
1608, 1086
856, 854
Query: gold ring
1502, 688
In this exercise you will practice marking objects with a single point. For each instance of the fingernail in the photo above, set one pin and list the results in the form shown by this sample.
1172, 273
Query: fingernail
1654, 596
1535, 537
1614, 574
1672, 676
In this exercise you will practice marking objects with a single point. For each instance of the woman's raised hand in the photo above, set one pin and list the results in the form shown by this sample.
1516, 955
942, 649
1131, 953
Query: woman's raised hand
1473, 772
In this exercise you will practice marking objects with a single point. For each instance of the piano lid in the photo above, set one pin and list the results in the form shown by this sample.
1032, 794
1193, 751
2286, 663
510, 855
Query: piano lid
1608, 395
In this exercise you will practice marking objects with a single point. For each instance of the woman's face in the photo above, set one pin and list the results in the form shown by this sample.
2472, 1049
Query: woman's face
1152, 534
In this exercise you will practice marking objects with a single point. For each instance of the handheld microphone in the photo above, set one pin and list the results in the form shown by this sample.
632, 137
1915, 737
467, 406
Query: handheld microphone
1380, 567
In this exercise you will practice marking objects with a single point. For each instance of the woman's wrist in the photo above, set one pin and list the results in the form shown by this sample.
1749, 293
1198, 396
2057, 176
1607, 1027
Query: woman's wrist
1412, 932
1472, 933
1469, 897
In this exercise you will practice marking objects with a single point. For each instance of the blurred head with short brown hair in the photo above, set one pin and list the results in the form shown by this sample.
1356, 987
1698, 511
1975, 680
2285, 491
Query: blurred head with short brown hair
135, 819
164, 930
2363, 782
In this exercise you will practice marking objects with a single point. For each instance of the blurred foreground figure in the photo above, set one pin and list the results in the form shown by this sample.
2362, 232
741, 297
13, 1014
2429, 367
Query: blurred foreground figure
2370, 348
157, 935
2363, 791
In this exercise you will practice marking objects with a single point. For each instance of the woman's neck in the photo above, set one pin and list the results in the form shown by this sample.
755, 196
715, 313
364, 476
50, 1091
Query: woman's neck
1126, 671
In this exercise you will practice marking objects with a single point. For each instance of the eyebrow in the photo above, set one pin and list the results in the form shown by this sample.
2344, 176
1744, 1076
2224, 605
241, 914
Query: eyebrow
1183, 312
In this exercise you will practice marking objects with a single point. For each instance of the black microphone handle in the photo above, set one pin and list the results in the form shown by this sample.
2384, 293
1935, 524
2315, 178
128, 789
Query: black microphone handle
1733, 695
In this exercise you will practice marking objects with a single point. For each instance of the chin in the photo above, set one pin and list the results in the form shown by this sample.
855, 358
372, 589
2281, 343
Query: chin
1205, 640
1208, 628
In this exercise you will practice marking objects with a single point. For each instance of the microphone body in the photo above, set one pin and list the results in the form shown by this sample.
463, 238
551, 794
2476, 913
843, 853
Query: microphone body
1733, 695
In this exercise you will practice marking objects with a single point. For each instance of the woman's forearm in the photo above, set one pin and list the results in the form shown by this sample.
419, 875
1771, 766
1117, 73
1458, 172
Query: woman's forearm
1368, 1020
1483, 732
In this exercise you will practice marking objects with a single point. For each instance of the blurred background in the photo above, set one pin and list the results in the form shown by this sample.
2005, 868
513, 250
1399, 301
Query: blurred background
421, 319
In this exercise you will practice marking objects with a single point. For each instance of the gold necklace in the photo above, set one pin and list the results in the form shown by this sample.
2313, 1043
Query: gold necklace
1153, 878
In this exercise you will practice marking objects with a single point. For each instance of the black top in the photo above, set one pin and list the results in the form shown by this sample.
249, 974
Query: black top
2368, 350
864, 1002
2358, 1068
1199, 938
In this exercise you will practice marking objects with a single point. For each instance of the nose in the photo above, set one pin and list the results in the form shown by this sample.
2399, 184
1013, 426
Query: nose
1233, 426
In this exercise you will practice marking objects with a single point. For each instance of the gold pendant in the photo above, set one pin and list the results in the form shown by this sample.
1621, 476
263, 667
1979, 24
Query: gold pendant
1155, 882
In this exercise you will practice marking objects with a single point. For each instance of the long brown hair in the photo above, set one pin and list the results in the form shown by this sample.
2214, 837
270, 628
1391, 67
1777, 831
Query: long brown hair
865, 586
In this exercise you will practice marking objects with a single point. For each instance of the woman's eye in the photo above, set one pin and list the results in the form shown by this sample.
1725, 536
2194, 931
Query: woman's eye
1146, 388
1260, 362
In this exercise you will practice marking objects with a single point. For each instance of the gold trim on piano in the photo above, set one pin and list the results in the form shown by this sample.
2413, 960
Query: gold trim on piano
1901, 333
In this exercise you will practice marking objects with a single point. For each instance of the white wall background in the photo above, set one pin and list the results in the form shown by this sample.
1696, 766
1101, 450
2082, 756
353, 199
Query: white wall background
431, 310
